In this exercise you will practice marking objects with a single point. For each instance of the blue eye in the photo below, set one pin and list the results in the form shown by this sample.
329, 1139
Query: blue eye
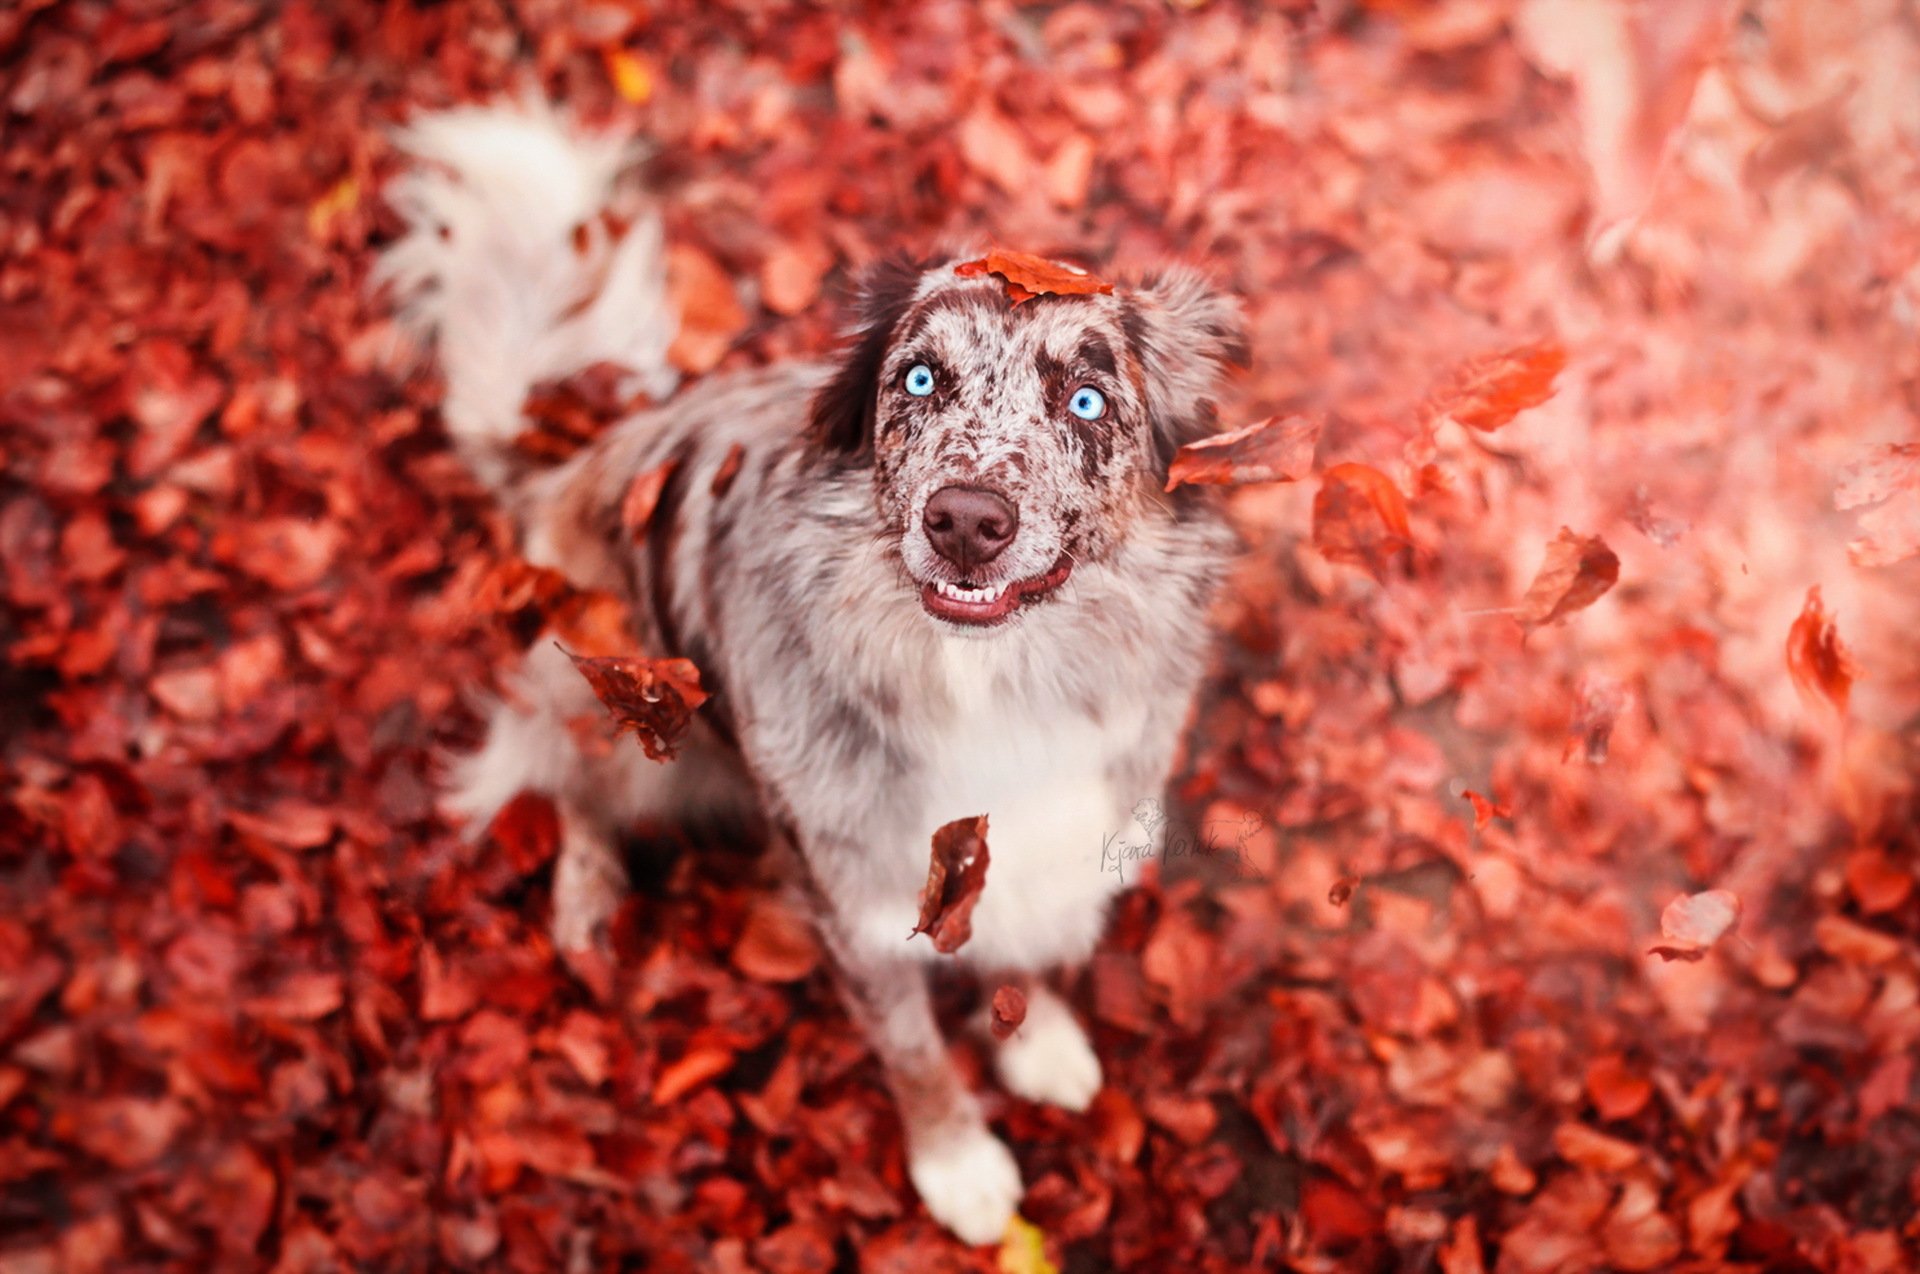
920, 380
1087, 403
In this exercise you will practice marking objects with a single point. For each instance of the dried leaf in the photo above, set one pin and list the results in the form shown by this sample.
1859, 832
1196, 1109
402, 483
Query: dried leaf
1486, 393
729, 470
1277, 449
1578, 571
956, 875
1360, 519
1822, 669
655, 698
1029, 276
1692, 923
1485, 811
642, 498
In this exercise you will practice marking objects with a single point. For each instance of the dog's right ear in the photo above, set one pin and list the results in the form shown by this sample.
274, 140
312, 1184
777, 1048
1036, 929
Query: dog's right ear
843, 409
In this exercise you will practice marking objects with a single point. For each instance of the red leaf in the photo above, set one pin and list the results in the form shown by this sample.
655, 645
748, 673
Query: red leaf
1486, 393
1360, 518
1277, 449
1823, 672
527, 830
956, 873
643, 495
1009, 1010
1578, 571
1342, 890
1485, 811
1028, 276
777, 944
700, 1064
729, 470
1692, 923
655, 698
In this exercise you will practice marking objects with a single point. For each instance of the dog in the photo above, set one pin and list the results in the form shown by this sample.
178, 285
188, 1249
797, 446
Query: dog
943, 581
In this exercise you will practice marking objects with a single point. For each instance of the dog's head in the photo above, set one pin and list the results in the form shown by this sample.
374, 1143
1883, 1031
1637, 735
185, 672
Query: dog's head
1012, 444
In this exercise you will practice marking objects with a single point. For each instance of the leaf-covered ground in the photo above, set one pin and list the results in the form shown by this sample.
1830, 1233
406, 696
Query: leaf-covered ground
1526, 662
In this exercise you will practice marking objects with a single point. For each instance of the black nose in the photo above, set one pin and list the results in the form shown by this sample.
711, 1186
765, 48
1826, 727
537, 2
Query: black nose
968, 526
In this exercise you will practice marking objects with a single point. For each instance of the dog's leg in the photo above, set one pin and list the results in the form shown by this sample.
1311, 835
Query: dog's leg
965, 1175
1048, 1058
589, 880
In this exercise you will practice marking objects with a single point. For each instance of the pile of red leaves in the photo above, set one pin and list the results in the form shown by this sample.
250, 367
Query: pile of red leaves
1609, 311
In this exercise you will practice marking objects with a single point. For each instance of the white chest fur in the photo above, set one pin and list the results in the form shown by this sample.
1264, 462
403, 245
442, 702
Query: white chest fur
1040, 776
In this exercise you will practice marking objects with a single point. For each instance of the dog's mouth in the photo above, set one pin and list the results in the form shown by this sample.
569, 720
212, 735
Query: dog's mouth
984, 605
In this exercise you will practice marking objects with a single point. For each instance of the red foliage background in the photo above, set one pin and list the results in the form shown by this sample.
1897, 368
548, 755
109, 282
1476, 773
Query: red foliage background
259, 1005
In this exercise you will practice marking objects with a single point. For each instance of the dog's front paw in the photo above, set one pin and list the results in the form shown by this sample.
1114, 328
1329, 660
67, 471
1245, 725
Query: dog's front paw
969, 1182
1049, 1060
588, 889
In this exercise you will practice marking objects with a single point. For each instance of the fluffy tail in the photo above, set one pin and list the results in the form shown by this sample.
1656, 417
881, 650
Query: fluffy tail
511, 272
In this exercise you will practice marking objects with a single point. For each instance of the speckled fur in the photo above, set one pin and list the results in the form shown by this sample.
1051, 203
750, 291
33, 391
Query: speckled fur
857, 722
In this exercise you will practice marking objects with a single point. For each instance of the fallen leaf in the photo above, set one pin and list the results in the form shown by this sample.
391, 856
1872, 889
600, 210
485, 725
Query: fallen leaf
1822, 669
1692, 923
777, 944
1485, 811
1486, 393
655, 698
1028, 276
956, 874
1360, 519
697, 1066
1023, 1250
1277, 449
1578, 571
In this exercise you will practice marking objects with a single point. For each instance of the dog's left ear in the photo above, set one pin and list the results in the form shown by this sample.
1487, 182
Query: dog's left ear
843, 409
1186, 333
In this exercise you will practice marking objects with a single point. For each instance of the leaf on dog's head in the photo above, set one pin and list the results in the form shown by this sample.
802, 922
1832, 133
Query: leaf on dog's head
956, 874
642, 498
1028, 276
655, 698
1277, 449
1578, 571
1009, 1010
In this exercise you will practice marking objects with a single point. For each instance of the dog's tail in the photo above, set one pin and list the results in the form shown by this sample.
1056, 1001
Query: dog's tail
516, 267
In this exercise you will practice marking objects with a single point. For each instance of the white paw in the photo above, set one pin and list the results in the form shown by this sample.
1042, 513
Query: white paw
969, 1183
1049, 1060
587, 890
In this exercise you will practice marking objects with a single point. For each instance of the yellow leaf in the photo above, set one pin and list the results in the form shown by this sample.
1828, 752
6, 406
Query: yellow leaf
631, 78
330, 207
1024, 1249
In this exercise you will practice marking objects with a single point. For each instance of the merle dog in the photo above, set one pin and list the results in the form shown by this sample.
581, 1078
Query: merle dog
944, 582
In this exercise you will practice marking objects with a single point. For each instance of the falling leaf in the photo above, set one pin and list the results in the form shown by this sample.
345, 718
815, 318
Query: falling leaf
1692, 923
1009, 1010
1822, 669
1485, 811
642, 498
729, 470
1486, 393
1360, 519
655, 698
632, 79
1578, 571
1029, 276
956, 873
1342, 890
1024, 1250
1277, 449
